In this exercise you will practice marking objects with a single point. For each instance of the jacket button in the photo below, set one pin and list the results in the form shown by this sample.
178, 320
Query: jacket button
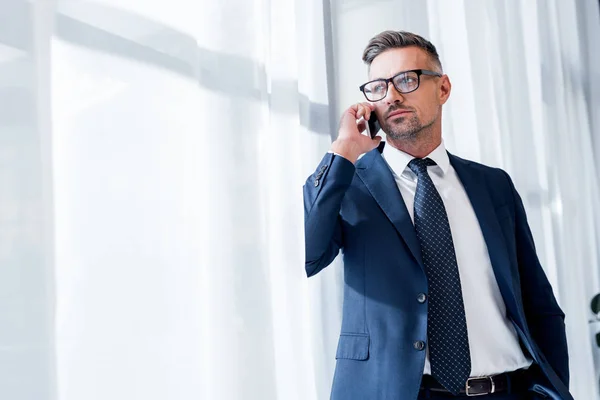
316, 183
419, 345
421, 298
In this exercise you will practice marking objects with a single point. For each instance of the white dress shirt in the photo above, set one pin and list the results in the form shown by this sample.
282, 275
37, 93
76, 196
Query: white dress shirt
493, 342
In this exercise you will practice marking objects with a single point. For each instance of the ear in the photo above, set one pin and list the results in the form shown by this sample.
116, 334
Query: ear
444, 89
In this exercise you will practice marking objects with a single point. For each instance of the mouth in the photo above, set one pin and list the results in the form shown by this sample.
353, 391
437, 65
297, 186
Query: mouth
398, 113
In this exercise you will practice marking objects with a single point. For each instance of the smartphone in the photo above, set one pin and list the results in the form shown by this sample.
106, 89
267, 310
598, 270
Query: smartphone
373, 126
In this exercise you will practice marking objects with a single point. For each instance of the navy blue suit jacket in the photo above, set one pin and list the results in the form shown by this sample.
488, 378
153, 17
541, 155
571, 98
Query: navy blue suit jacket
359, 209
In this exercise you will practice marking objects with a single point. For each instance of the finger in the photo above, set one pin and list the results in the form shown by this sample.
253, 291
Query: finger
362, 126
360, 111
349, 119
369, 107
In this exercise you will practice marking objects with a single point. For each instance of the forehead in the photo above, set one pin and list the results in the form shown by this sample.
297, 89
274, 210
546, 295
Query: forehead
392, 61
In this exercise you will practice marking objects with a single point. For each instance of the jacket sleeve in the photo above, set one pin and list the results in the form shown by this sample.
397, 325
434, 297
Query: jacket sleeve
323, 193
544, 316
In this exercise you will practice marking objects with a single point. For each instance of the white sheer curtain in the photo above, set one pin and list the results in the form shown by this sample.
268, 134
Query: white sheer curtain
152, 157
181, 135
152, 245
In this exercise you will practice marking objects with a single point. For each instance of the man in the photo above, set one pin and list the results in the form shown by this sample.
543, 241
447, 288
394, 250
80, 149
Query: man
444, 295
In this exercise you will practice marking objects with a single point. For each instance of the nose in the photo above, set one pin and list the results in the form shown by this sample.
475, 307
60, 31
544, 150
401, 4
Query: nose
392, 95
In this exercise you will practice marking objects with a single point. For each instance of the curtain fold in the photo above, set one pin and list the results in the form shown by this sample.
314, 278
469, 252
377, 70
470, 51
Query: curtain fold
182, 136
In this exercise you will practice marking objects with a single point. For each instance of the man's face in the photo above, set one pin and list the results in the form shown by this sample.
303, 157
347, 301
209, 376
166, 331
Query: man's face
419, 109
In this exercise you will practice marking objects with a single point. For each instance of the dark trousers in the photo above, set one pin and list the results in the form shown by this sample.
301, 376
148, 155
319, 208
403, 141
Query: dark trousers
425, 394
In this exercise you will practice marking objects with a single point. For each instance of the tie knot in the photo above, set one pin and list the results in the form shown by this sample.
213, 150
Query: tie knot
419, 165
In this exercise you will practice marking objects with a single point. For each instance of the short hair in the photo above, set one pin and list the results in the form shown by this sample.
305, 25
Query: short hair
396, 40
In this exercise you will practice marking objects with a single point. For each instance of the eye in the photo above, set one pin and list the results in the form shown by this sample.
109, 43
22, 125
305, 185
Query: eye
379, 88
406, 79
376, 87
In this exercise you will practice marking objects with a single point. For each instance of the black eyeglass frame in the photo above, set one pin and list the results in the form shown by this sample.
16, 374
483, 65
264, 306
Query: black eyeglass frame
387, 81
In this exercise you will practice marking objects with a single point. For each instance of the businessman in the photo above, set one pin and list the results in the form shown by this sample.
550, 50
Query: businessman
444, 295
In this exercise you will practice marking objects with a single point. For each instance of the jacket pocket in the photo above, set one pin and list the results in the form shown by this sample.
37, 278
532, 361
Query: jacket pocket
544, 392
353, 346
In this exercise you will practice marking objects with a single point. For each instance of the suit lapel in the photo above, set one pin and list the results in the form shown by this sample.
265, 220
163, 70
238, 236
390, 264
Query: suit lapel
476, 187
377, 177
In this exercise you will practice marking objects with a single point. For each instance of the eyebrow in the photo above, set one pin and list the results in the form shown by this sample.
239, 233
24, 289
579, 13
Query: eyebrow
412, 69
399, 72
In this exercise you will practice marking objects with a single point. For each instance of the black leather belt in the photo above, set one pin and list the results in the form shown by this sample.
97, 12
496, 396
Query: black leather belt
508, 382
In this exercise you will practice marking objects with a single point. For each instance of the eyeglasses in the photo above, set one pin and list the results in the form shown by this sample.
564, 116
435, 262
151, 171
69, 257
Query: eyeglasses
404, 82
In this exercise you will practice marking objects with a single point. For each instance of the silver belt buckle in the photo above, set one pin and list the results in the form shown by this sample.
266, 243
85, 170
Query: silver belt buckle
467, 387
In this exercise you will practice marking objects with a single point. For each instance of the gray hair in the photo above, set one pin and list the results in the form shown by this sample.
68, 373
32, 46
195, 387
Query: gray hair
396, 40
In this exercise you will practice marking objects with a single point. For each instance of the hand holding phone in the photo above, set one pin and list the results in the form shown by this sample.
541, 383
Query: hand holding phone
351, 141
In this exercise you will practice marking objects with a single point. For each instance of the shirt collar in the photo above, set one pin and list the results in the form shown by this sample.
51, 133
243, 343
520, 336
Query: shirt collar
398, 160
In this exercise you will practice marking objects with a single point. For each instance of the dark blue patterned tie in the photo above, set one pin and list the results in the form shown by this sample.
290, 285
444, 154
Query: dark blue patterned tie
446, 322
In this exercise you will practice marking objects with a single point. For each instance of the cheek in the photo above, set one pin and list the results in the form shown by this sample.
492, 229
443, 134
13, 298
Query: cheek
427, 110
380, 109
